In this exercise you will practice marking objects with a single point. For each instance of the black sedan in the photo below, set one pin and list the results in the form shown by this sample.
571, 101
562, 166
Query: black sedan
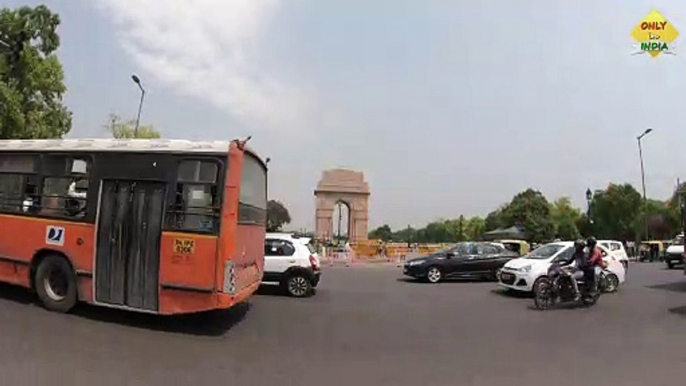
474, 259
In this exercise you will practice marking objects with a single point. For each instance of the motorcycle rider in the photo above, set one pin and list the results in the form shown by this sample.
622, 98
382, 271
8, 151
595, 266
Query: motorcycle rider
595, 259
575, 273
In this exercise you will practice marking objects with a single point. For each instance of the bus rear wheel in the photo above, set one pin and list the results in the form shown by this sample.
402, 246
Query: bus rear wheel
56, 284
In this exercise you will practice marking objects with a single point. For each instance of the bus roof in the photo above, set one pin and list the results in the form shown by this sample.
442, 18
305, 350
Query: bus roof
119, 145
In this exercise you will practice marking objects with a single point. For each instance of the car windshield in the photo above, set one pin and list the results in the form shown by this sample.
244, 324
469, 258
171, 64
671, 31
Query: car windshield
679, 240
545, 252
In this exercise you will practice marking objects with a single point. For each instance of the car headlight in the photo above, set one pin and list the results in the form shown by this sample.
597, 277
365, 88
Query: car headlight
526, 269
412, 263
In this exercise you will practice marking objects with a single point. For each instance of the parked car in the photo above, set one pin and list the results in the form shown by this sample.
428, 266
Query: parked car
674, 255
469, 259
617, 248
527, 272
292, 262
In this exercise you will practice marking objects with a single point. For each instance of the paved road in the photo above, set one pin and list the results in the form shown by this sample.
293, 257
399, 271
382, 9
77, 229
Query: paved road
364, 327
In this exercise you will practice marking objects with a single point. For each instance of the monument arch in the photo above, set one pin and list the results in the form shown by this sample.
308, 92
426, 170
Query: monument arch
347, 187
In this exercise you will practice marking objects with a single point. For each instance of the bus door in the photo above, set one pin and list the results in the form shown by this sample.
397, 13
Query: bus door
127, 261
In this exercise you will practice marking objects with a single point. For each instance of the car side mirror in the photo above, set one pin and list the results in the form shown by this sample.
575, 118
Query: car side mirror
450, 255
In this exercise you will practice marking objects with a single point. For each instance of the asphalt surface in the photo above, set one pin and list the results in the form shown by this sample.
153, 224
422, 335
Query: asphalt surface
363, 327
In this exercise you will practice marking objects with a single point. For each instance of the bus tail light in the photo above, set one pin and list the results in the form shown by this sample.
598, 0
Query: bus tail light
229, 286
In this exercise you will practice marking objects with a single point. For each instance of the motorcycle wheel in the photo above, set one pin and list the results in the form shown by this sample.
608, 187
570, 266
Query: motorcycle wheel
611, 283
543, 298
590, 300
603, 284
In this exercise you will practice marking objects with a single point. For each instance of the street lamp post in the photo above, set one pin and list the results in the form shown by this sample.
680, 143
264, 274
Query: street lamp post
589, 198
137, 80
643, 181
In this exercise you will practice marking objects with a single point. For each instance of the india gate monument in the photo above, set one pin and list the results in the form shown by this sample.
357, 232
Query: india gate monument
349, 188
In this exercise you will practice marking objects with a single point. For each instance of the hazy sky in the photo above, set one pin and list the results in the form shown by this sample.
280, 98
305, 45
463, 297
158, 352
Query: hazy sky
448, 107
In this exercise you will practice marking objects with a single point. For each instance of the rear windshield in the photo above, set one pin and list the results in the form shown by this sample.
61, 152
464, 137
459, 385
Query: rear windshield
545, 252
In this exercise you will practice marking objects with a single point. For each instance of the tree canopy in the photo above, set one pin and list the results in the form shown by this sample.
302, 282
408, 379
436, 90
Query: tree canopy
383, 232
31, 76
565, 217
616, 213
127, 129
277, 216
531, 211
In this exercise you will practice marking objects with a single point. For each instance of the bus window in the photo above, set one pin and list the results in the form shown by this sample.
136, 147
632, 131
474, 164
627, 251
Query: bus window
196, 205
18, 183
252, 207
65, 186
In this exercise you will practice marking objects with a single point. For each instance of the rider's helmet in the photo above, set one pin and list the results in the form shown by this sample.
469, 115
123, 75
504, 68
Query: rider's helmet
579, 245
591, 242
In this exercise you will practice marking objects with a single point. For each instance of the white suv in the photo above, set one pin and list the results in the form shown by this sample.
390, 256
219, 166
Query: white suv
291, 262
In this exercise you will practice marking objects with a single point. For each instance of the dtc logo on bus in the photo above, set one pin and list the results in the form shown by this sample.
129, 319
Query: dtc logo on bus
184, 246
655, 35
54, 235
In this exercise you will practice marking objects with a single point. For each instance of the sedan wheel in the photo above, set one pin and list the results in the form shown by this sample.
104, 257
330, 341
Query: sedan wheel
434, 275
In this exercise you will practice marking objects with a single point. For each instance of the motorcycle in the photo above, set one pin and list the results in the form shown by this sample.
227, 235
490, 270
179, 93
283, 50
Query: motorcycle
558, 288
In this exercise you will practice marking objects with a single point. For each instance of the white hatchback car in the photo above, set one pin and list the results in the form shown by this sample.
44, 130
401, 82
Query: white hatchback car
617, 249
524, 273
291, 262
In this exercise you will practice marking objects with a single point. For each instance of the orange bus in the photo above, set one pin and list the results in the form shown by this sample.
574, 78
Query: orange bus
157, 226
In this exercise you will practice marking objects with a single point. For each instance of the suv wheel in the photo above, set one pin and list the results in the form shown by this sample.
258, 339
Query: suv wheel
298, 285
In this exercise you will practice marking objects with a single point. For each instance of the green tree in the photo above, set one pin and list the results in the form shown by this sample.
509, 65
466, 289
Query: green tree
437, 232
674, 205
383, 232
277, 216
475, 227
31, 76
494, 220
616, 212
407, 235
530, 210
663, 223
127, 129
454, 229
565, 217
584, 226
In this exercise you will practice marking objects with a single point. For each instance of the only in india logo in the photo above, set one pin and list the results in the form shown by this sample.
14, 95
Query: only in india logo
655, 35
